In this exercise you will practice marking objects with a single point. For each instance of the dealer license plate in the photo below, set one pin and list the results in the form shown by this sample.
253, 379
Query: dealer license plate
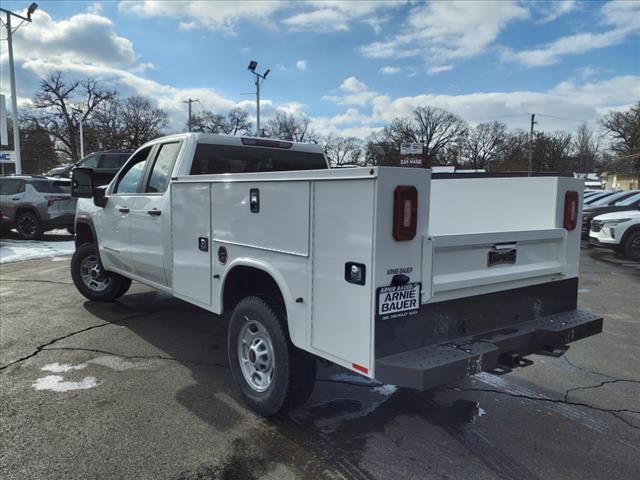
399, 300
502, 257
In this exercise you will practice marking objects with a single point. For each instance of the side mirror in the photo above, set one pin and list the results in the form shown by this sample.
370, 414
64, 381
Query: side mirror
99, 196
82, 182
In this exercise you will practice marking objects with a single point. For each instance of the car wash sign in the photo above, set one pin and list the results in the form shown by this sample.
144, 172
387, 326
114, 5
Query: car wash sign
411, 155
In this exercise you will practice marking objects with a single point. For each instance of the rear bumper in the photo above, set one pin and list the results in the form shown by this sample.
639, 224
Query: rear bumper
433, 365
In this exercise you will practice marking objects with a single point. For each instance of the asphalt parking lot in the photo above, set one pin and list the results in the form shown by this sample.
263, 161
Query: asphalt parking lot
140, 389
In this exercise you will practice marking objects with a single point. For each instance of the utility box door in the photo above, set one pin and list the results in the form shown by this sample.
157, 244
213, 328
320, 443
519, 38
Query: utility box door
342, 232
191, 234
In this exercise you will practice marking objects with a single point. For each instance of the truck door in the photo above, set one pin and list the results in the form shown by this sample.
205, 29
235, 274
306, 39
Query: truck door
150, 221
115, 220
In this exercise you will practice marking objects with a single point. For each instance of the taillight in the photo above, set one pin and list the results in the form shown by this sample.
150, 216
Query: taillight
405, 212
50, 201
570, 210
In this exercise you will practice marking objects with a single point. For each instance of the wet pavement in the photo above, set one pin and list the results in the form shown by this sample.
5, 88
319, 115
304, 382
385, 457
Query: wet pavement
140, 389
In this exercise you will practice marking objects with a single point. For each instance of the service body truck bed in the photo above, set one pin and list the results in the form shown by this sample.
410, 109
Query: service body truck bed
384, 271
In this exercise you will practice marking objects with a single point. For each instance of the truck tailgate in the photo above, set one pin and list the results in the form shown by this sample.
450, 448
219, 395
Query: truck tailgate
462, 264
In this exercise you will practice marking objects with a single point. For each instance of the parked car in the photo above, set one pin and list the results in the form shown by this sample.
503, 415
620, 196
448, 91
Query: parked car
598, 196
34, 204
620, 201
619, 231
104, 164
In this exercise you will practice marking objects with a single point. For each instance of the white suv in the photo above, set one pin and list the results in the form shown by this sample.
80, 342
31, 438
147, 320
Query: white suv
619, 231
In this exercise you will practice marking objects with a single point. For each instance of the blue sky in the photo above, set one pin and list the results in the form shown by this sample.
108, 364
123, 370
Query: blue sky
349, 66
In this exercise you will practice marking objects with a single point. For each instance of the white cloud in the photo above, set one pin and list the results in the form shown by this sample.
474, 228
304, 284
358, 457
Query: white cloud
352, 92
326, 20
319, 16
212, 15
556, 9
562, 107
95, 8
439, 69
301, 65
388, 70
622, 16
440, 31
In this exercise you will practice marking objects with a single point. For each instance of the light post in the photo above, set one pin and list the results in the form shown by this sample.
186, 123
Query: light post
259, 79
80, 122
12, 74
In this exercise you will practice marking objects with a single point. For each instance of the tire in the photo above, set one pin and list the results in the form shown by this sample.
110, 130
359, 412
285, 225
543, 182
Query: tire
71, 230
632, 246
284, 375
28, 226
92, 280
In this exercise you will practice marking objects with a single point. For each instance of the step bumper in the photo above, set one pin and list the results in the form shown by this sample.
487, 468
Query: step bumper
434, 365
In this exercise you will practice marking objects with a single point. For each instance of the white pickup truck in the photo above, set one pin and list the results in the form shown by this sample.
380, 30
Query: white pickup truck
386, 271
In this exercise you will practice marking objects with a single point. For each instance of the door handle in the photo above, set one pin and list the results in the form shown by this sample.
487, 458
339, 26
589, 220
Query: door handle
123, 210
18, 198
155, 212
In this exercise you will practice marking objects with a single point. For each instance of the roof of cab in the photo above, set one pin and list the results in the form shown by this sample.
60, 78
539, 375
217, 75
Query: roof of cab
241, 141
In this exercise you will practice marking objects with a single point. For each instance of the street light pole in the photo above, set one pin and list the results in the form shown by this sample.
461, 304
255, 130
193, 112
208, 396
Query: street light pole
12, 77
190, 101
14, 100
259, 79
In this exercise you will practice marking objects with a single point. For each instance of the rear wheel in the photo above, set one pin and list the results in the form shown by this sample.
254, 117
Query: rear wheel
28, 226
92, 280
272, 374
632, 246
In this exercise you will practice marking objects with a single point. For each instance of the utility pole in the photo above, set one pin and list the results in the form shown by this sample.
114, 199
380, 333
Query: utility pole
533, 122
259, 79
190, 101
12, 76
80, 122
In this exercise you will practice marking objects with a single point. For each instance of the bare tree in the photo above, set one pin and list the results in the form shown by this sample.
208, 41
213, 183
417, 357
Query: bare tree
290, 127
624, 128
586, 147
435, 128
54, 102
343, 150
513, 151
483, 143
235, 122
552, 152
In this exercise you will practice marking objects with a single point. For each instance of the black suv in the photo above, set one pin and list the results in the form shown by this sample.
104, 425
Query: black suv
105, 165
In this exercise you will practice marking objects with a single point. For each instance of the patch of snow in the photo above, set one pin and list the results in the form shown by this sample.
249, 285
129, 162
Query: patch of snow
56, 383
385, 389
18, 250
62, 367
121, 364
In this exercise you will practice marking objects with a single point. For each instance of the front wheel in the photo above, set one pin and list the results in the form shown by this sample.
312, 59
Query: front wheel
272, 374
632, 246
92, 280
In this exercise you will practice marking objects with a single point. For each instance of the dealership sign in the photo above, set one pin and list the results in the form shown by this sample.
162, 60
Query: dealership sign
7, 156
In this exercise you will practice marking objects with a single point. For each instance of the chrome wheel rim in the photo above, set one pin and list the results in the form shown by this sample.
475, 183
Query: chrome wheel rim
93, 275
255, 352
27, 225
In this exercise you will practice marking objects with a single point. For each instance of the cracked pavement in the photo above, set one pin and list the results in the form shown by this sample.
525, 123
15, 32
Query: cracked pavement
140, 389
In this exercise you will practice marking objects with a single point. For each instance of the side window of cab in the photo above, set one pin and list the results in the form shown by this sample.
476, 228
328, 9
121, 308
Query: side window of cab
131, 175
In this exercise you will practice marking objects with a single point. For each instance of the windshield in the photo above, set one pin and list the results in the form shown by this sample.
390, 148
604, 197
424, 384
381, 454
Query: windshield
596, 197
608, 199
629, 201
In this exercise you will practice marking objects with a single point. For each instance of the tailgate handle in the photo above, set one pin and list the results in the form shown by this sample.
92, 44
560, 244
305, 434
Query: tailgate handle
123, 210
504, 246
